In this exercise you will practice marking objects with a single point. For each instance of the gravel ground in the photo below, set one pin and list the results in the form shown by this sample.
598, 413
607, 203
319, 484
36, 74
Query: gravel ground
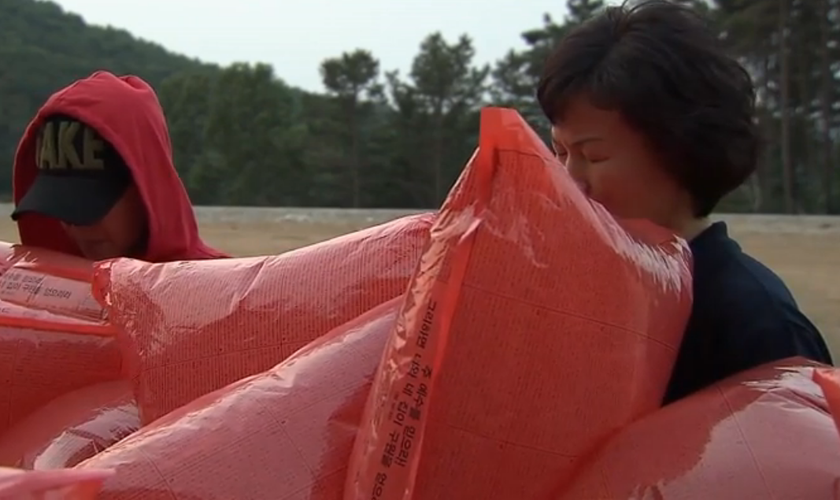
244, 215
250, 215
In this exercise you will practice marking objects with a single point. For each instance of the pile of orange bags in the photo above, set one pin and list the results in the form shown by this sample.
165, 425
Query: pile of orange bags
516, 344
61, 396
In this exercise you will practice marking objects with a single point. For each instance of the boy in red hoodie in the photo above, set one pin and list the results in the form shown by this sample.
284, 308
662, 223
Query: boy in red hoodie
93, 176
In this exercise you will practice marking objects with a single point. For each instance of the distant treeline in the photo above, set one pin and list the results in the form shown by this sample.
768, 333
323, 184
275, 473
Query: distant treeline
380, 139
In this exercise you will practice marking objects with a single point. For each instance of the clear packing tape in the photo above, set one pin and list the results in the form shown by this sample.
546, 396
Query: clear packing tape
515, 346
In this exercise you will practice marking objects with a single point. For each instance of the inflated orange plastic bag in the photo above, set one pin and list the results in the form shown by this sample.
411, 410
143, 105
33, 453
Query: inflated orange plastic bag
68, 484
7, 252
71, 428
538, 326
829, 381
51, 281
54, 337
194, 327
285, 434
763, 434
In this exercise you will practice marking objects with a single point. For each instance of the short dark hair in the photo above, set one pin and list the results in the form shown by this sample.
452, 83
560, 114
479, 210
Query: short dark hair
664, 69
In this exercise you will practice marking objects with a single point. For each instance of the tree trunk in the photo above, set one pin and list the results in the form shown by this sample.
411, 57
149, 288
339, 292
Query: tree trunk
767, 128
826, 105
354, 152
438, 153
784, 91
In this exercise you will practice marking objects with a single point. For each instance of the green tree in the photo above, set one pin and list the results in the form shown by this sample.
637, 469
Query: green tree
185, 97
252, 142
582, 10
44, 48
516, 75
449, 91
242, 136
352, 77
790, 47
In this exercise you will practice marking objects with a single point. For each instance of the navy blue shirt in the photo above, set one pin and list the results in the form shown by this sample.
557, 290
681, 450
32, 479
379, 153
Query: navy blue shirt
743, 316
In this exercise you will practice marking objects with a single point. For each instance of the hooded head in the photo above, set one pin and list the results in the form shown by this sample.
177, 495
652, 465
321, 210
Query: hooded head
93, 176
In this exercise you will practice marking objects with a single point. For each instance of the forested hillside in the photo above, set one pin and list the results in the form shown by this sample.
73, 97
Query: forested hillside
43, 48
381, 139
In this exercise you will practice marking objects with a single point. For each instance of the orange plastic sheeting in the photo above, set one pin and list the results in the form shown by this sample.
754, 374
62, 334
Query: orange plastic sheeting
71, 428
194, 327
763, 434
43, 279
285, 434
18, 316
37, 366
829, 381
53, 335
538, 326
16, 484
7, 252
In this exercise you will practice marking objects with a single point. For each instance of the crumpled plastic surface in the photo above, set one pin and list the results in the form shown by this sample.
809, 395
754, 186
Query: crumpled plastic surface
71, 428
68, 484
285, 434
536, 327
190, 328
763, 434
7, 252
43, 279
829, 381
54, 336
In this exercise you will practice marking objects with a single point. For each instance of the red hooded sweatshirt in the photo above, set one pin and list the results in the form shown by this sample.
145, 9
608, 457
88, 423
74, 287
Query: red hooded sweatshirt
126, 112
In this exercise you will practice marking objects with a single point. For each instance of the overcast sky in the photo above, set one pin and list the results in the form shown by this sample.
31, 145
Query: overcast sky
296, 35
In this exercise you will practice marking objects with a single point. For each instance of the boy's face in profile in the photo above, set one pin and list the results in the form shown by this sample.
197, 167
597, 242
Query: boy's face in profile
118, 234
615, 166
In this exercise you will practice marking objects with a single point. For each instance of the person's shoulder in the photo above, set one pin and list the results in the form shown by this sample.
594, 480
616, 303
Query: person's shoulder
724, 273
748, 283
743, 316
759, 318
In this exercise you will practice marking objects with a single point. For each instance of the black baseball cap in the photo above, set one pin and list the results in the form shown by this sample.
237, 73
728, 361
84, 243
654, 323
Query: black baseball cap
80, 175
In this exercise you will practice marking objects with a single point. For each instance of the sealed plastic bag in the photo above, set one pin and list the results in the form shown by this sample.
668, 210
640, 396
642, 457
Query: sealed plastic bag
762, 434
285, 434
68, 484
71, 428
37, 366
538, 326
54, 337
194, 327
51, 281
7, 251
829, 381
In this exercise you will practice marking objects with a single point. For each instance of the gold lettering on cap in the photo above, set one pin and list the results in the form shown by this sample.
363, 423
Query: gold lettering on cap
49, 158
39, 144
56, 149
66, 151
92, 145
